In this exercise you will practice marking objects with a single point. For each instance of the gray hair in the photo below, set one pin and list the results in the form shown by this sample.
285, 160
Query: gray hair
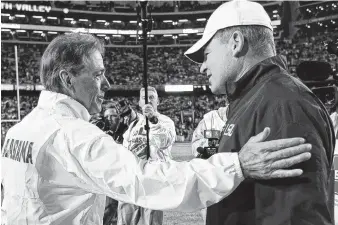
150, 88
68, 52
259, 38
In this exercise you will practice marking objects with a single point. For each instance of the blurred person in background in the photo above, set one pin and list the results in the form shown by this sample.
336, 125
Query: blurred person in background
161, 138
57, 168
213, 120
238, 55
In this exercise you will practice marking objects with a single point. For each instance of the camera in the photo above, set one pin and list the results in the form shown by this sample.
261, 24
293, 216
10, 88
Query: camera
213, 137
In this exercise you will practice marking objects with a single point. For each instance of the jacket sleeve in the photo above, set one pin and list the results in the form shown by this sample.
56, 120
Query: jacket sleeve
198, 139
102, 166
306, 199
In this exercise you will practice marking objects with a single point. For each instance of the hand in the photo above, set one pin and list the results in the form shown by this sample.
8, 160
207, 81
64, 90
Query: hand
150, 112
267, 160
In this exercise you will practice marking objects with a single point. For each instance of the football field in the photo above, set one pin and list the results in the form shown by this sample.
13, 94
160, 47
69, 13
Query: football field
180, 152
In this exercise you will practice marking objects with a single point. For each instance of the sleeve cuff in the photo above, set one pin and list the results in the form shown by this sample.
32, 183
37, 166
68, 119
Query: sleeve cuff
237, 166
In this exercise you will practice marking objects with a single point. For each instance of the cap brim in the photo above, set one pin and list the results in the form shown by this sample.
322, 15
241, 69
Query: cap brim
195, 52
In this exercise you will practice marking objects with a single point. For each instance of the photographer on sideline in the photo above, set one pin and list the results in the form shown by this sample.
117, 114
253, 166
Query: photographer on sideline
213, 120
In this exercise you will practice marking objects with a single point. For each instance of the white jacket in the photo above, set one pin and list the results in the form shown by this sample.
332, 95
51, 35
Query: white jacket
57, 168
161, 138
213, 120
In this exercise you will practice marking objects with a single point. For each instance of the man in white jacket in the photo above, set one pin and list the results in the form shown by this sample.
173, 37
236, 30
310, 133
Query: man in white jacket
161, 138
57, 168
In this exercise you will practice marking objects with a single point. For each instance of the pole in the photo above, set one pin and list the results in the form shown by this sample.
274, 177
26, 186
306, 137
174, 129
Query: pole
17, 80
146, 27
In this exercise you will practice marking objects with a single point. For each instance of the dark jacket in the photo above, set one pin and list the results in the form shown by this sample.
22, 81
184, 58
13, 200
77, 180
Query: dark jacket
267, 96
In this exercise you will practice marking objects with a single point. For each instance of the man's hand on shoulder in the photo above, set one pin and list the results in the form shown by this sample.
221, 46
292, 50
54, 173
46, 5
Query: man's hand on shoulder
270, 159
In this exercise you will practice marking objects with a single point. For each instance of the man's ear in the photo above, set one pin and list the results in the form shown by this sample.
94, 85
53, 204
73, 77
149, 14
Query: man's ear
239, 46
66, 79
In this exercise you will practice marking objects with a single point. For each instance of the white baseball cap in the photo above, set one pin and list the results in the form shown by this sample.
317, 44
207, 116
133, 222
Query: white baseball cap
229, 14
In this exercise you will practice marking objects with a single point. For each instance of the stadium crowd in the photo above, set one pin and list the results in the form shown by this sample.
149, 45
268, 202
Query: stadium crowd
166, 65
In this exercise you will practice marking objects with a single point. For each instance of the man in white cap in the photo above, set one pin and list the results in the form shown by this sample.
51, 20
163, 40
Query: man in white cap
237, 53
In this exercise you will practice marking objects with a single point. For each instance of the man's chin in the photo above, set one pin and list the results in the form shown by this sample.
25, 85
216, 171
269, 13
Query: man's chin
95, 110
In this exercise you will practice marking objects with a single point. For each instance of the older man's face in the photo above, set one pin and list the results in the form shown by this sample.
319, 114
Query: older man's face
152, 99
89, 87
218, 65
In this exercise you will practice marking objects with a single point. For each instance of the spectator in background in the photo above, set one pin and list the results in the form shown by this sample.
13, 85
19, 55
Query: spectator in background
161, 138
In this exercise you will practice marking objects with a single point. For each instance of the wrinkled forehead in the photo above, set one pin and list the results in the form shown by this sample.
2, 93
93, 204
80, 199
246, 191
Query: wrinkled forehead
95, 61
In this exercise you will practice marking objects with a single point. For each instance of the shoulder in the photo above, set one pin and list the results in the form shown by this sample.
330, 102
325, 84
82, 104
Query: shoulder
283, 86
210, 114
80, 130
165, 118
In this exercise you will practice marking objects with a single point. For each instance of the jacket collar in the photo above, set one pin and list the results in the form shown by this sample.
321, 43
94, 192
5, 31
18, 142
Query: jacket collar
63, 104
262, 69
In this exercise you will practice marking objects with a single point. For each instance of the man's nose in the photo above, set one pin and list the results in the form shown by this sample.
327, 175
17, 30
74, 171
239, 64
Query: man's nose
203, 68
105, 84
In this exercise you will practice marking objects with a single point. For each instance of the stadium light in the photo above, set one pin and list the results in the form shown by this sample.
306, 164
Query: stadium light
21, 31
6, 30
132, 21
201, 19
167, 35
20, 15
51, 18
100, 21
275, 11
199, 33
37, 31
83, 20
101, 35
52, 32
167, 21
117, 21
68, 18
5, 14
183, 35
178, 88
37, 17
276, 22
183, 21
